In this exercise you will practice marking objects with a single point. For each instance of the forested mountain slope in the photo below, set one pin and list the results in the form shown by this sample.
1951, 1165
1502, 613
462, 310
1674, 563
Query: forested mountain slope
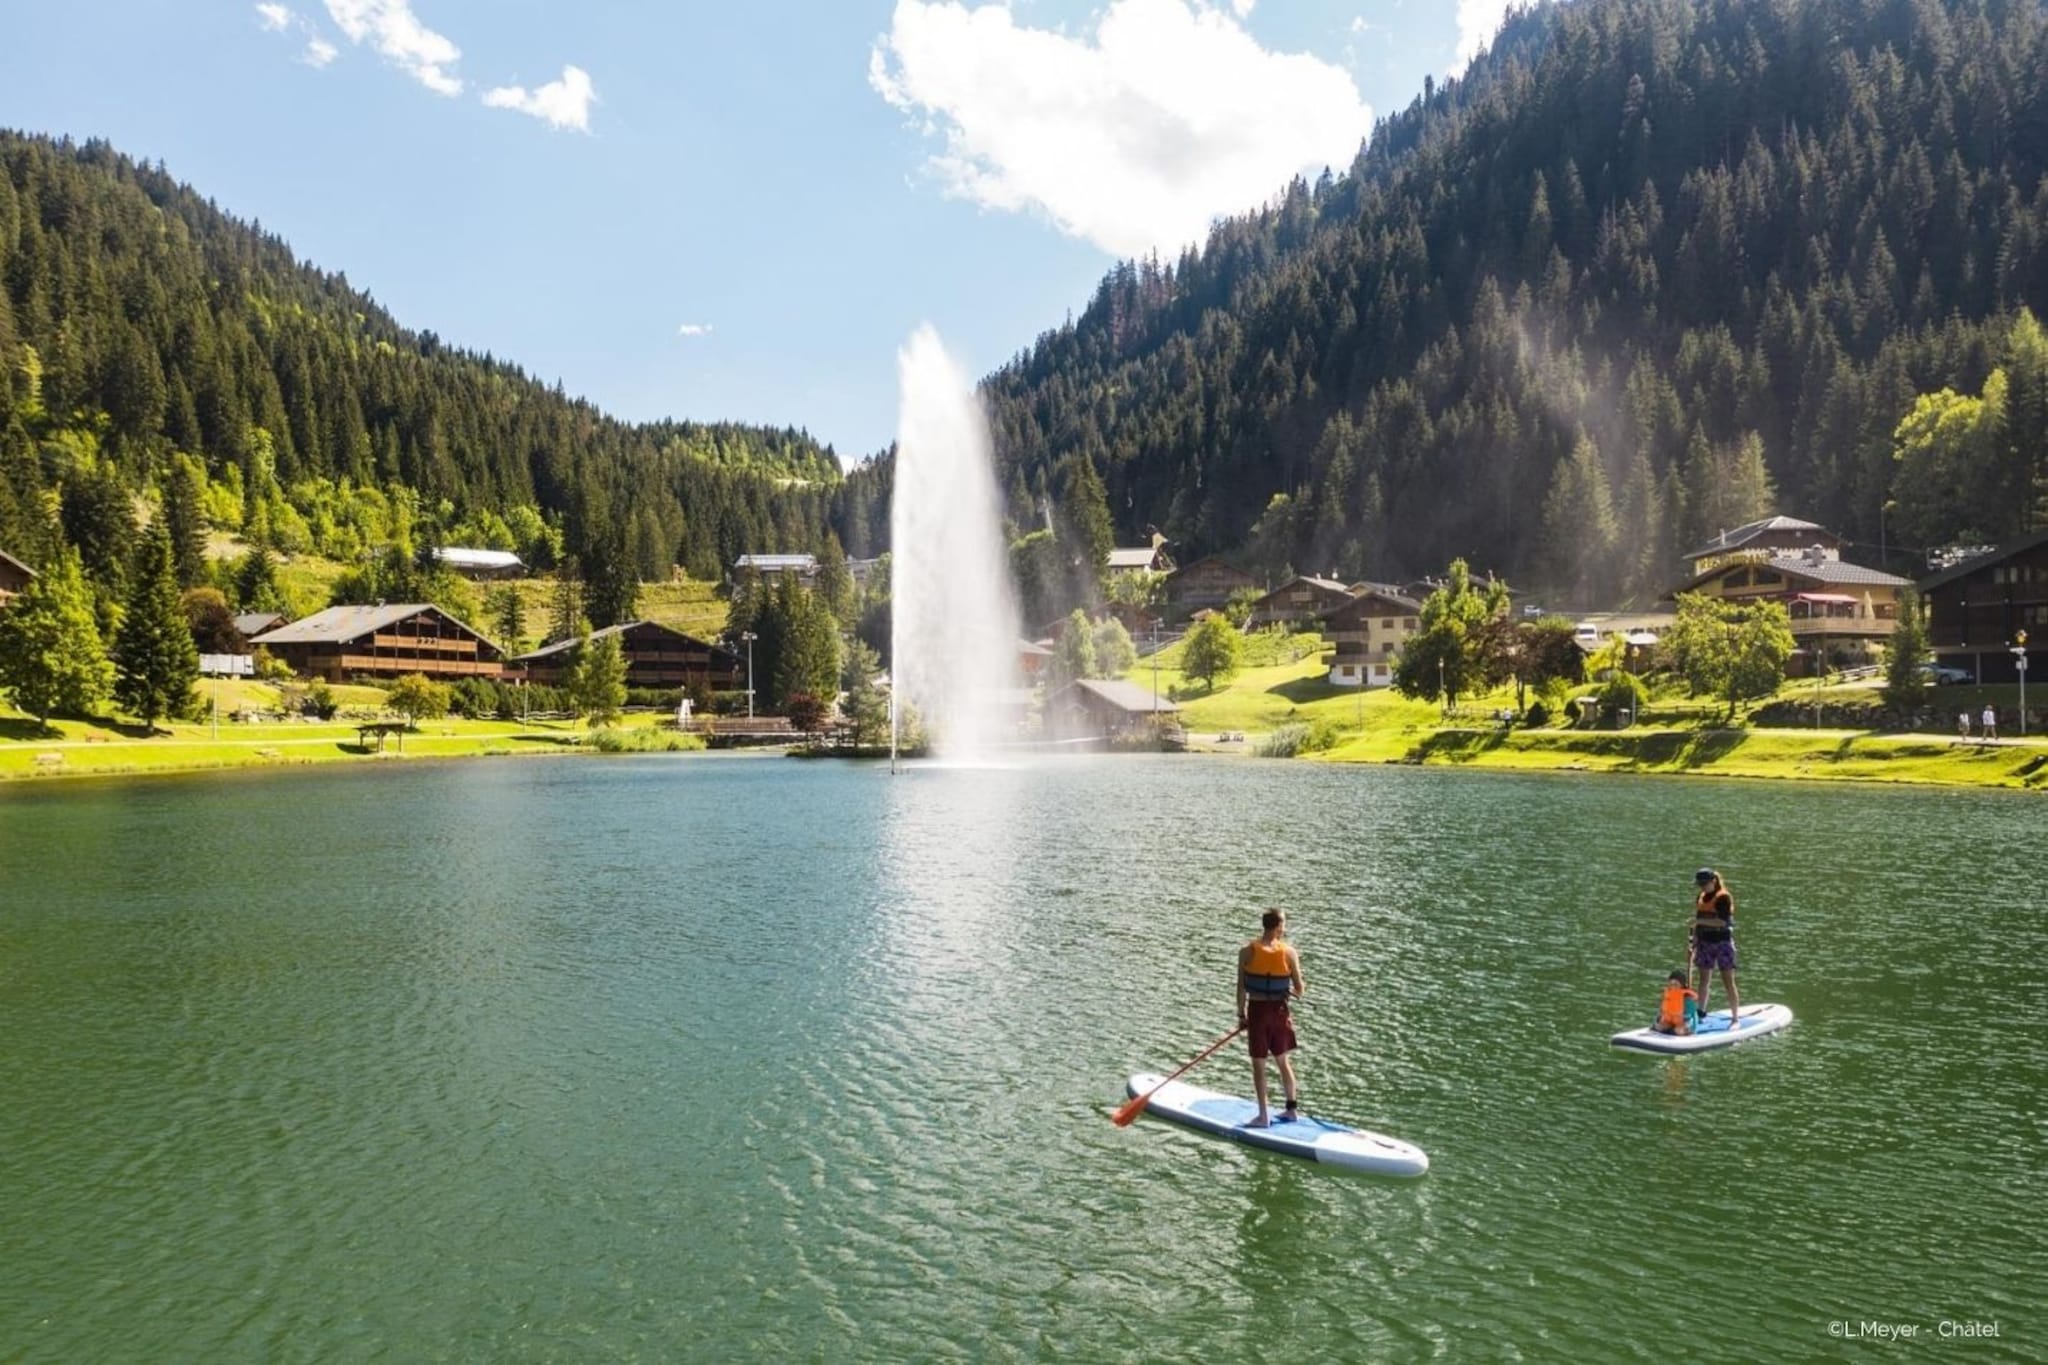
1650, 268
139, 323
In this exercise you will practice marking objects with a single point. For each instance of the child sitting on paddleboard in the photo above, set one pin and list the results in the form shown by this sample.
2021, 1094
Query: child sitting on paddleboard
1680, 1010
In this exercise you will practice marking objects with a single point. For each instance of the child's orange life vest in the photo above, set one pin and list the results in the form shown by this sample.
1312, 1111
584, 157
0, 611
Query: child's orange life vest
1672, 1014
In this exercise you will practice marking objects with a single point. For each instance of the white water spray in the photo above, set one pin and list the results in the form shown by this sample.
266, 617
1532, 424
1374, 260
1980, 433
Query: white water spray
953, 641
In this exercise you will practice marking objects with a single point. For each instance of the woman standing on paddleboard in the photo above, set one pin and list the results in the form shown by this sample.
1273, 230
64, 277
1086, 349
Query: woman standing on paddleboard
1268, 974
1713, 940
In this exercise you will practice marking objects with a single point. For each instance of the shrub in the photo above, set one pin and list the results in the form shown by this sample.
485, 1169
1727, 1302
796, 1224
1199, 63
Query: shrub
1537, 716
1624, 691
1285, 742
318, 701
644, 740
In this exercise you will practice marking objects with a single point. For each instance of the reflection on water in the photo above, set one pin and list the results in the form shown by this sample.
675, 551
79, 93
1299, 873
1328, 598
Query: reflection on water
599, 1058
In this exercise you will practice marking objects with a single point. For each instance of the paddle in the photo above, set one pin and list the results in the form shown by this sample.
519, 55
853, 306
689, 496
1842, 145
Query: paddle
1124, 1117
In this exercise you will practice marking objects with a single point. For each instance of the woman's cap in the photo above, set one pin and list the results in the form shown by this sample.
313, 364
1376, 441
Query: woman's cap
1705, 875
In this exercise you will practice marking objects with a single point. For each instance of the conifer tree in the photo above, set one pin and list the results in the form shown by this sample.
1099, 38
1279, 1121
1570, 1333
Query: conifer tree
155, 659
184, 514
597, 679
51, 657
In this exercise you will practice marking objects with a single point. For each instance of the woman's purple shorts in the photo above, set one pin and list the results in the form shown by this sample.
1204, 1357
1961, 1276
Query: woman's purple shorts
1708, 956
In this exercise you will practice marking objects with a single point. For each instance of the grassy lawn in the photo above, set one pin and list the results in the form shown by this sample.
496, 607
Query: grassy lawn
689, 605
1728, 753
1283, 684
108, 745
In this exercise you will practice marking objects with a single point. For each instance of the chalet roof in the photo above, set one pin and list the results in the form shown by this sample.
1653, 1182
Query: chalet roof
254, 623
1133, 556
17, 563
1363, 593
1964, 568
1742, 535
1329, 585
460, 557
1124, 696
1034, 649
1830, 571
562, 646
1210, 559
348, 623
777, 563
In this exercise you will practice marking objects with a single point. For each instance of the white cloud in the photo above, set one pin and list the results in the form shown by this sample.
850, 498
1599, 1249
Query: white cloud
396, 32
1479, 22
694, 329
1135, 137
564, 103
1243, 7
319, 52
274, 17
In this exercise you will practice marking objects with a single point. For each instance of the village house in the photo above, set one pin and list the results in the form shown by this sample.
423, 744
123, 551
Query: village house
772, 568
1841, 613
1032, 659
14, 577
384, 641
1206, 584
1103, 708
1976, 610
1766, 537
657, 658
1369, 630
251, 624
1299, 602
480, 565
1150, 558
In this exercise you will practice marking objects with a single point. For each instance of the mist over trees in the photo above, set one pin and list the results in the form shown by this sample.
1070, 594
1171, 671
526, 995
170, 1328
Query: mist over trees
1647, 271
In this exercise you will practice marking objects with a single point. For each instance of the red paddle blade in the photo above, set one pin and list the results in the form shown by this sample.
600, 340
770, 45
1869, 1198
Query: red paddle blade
1128, 1112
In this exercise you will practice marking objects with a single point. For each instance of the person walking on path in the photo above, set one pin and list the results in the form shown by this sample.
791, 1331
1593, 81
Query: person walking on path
1713, 940
1990, 722
1963, 722
1268, 975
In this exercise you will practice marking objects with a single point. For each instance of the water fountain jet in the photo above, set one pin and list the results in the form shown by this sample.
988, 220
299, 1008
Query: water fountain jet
953, 636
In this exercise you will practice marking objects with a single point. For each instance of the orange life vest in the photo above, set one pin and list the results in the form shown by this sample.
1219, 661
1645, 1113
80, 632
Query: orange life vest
1673, 1012
1267, 975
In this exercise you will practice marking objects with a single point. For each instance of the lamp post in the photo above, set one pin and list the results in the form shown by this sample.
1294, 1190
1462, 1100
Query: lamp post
1443, 697
2019, 658
749, 637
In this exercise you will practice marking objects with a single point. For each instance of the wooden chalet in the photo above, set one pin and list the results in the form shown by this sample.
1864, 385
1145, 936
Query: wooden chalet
1765, 538
1205, 584
1299, 602
657, 657
251, 624
1150, 558
1103, 708
1840, 612
384, 641
773, 569
14, 577
1369, 629
1977, 609
481, 565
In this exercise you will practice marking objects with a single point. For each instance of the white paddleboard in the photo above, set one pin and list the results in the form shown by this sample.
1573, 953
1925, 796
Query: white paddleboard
1331, 1144
1713, 1031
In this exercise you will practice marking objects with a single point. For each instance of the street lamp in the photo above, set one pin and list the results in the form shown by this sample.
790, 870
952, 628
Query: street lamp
749, 637
1443, 697
2019, 658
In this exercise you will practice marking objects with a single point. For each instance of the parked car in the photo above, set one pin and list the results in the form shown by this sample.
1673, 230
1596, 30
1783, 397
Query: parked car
1943, 675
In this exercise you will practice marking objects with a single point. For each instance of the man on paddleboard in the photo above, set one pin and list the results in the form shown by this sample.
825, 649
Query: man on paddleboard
1713, 940
1268, 975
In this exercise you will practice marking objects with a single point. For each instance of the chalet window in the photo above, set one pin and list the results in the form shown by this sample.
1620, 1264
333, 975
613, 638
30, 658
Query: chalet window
1387, 624
1763, 578
1407, 623
1738, 579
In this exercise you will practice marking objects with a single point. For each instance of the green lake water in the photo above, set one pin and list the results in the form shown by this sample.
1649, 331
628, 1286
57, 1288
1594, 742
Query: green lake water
711, 1057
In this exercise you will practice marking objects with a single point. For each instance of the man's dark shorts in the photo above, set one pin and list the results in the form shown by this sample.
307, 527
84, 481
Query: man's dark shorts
1708, 956
1269, 1027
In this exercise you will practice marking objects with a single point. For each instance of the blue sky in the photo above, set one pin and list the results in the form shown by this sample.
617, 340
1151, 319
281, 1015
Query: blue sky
739, 211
